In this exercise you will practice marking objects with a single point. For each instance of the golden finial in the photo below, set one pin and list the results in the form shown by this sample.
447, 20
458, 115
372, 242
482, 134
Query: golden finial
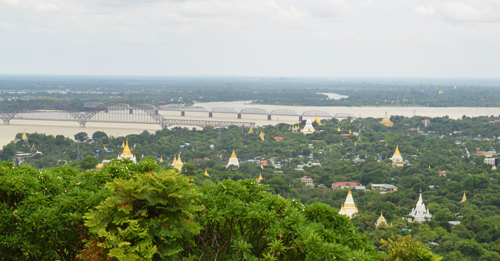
233, 156
161, 158
126, 150
251, 130
206, 172
464, 198
397, 151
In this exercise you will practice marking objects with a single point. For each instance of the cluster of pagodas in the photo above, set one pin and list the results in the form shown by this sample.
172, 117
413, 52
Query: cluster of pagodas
418, 214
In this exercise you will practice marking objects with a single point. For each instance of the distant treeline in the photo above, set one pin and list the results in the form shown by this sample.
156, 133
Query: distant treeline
283, 91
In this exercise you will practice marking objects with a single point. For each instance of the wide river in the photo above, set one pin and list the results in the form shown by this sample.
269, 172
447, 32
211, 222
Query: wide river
69, 128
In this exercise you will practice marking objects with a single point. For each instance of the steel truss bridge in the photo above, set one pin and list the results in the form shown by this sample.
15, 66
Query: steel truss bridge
115, 112
259, 111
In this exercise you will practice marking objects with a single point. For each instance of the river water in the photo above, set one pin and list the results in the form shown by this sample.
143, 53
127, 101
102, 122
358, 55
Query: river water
70, 128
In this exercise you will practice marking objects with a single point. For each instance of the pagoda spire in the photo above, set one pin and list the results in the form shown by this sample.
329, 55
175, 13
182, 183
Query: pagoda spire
464, 198
126, 150
233, 156
397, 150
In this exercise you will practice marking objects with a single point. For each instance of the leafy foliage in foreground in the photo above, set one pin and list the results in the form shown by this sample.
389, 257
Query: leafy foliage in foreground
404, 248
145, 213
243, 222
149, 215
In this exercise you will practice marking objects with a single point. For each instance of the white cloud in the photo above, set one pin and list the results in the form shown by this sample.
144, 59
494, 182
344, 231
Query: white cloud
462, 11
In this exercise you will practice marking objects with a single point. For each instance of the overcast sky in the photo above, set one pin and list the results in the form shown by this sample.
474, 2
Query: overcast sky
334, 38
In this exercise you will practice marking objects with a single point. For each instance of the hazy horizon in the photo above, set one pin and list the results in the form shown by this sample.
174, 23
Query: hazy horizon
314, 38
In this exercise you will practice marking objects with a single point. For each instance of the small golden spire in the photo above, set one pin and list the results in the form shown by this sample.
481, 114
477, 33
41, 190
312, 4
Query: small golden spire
123, 144
126, 150
233, 156
260, 178
251, 130
349, 189
179, 159
161, 159
317, 120
420, 191
338, 128
397, 151
175, 160
464, 198
350, 131
206, 172
24, 137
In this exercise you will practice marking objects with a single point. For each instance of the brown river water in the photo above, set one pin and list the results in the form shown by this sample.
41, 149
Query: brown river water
70, 128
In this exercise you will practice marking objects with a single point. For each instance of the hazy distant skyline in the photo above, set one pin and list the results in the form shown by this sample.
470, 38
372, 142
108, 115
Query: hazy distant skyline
332, 38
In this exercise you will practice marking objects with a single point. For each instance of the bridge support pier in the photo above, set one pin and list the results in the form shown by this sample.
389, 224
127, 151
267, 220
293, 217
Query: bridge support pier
239, 115
210, 115
183, 113
268, 117
300, 118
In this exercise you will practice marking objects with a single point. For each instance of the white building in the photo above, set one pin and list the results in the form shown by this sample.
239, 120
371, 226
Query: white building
397, 159
491, 161
233, 161
349, 207
308, 128
419, 213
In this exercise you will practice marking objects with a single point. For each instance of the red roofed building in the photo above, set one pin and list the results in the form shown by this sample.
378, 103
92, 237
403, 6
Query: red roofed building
345, 135
349, 184
278, 138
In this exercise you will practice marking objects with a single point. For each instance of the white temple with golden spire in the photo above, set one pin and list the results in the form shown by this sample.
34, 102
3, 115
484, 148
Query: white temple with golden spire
233, 161
381, 220
127, 154
308, 128
349, 207
178, 163
419, 213
397, 159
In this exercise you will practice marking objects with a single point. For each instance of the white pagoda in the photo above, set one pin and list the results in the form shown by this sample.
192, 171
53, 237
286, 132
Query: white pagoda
233, 161
419, 213
397, 159
127, 154
308, 128
349, 207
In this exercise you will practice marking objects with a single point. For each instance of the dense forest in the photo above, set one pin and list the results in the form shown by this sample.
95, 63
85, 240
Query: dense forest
75, 91
446, 146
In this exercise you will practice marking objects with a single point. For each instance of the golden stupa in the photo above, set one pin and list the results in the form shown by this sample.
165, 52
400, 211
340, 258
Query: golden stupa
317, 120
178, 163
206, 173
386, 121
259, 178
464, 198
250, 131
